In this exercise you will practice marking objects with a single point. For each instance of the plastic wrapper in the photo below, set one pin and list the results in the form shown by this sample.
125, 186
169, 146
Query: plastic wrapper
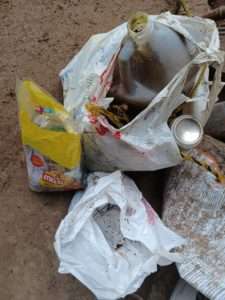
146, 142
194, 207
52, 146
111, 238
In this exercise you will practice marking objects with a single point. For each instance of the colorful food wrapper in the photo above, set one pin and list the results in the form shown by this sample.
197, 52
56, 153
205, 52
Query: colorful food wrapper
52, 145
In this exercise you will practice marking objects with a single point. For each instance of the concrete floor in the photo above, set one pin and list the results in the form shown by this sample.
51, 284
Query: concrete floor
38, 38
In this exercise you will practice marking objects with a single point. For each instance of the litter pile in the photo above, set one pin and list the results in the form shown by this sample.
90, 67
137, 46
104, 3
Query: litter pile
96, 79
135, 99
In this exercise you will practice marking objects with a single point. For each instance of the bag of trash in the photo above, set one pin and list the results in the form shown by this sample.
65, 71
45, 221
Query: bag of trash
110, 137
194, 207
111, 238
52, 146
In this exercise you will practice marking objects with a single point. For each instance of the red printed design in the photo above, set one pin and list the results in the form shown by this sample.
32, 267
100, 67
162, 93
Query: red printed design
37, 161
117, 135
102, 130
152, 216
39, 109
105, 81
108, 71
50, 178
93, 99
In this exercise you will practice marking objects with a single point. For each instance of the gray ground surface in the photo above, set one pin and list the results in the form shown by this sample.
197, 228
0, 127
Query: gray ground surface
37, 39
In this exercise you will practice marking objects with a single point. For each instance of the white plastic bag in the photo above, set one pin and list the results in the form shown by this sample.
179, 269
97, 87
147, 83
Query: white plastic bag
111, 238
147, 138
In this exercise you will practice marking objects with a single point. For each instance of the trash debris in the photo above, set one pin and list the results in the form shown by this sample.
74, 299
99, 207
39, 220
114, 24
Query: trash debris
149, 46
216, 14
90, 80
187, 131
139, 96
215, 126
183, 291
194, 203
185, 6
52, 146
181, 7
111, 238
215, 3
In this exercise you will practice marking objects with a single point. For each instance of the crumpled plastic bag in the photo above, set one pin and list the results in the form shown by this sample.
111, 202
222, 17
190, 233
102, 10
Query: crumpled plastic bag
111, 238
51, 144
145, 143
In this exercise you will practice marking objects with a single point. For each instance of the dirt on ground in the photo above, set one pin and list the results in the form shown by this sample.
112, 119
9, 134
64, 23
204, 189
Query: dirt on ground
38, 38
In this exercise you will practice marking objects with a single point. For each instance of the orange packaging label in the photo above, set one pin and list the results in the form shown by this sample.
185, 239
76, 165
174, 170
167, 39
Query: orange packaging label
37, 161
52, 178
57, 180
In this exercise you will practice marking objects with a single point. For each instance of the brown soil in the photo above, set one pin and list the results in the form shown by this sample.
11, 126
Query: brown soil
38, 38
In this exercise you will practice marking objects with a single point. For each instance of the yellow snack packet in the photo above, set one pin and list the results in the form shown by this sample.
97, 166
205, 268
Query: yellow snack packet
52, 145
